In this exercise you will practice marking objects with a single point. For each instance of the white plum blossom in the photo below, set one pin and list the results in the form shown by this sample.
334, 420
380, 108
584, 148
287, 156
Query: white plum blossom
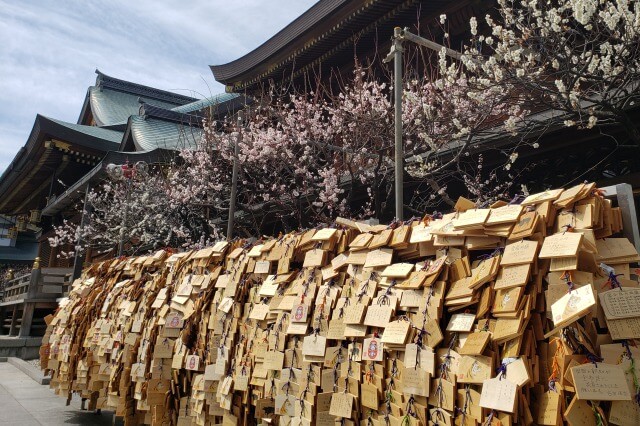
473, 23
576, 57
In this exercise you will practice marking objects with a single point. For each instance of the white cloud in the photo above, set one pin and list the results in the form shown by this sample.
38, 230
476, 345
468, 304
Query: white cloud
50, 49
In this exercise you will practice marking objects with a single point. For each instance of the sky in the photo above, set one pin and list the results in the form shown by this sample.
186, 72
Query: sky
49, 50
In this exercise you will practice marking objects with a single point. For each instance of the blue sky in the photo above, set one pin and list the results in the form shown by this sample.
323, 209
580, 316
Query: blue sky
50, 50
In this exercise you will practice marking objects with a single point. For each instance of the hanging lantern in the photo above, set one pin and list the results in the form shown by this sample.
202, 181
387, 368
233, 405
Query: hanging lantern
35, 216
21, 223
115, 171
12, 234
141, 167
127, 170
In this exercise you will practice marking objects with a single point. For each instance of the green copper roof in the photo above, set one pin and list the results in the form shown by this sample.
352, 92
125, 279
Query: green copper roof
150, 133
206, 102
97, 132
111, 106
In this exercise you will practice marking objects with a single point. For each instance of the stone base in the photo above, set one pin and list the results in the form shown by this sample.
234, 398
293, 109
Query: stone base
30, 370
20, 347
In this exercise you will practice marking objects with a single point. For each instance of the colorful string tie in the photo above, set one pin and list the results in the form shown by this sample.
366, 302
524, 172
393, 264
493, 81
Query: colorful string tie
517, 199
597, 413
567, 228
303, 409
464, 411
467, 398
501, 371
420, 337
411, 219
568, 278
410, 412
388, 400
336, 375
370, 421
439, 393
578, 347
420, 340
497, 251
395, 372
462, 415
489, 419
385, 298
370, 373
593, 359
612, 277
555, 367
437, 416
445, 367
632, 370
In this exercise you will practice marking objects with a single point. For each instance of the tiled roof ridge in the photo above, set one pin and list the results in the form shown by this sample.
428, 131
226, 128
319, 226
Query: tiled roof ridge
207, 102
148, 109
99, 132
105, 81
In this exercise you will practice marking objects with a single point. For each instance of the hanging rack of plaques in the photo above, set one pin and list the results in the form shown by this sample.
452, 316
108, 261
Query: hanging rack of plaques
521, 313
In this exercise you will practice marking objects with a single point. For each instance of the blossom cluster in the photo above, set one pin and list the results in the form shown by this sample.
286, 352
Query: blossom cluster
579, 58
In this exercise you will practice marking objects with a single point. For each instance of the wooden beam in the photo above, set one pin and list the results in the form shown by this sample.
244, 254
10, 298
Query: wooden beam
63, 165
32, 172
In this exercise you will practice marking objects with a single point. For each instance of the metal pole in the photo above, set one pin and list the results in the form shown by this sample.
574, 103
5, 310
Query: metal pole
397, 92
407, 35
124, 217
84, 222
234, 179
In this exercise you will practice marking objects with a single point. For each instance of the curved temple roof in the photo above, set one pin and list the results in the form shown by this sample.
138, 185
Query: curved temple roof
177, 128
112, 101
150, 133
327, 35
305, 22
111, 107
51, 141
117, 115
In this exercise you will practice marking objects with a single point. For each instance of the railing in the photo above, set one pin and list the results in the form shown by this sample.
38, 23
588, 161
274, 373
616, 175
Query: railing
15, 289
26, 299
48, 282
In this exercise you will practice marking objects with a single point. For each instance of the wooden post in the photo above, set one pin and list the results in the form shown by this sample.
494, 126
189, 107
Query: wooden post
14, 321
53, 257
29, 305
3, 316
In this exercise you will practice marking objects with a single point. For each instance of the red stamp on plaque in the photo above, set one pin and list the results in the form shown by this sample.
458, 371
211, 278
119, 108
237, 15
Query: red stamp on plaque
299, 313
372, 349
